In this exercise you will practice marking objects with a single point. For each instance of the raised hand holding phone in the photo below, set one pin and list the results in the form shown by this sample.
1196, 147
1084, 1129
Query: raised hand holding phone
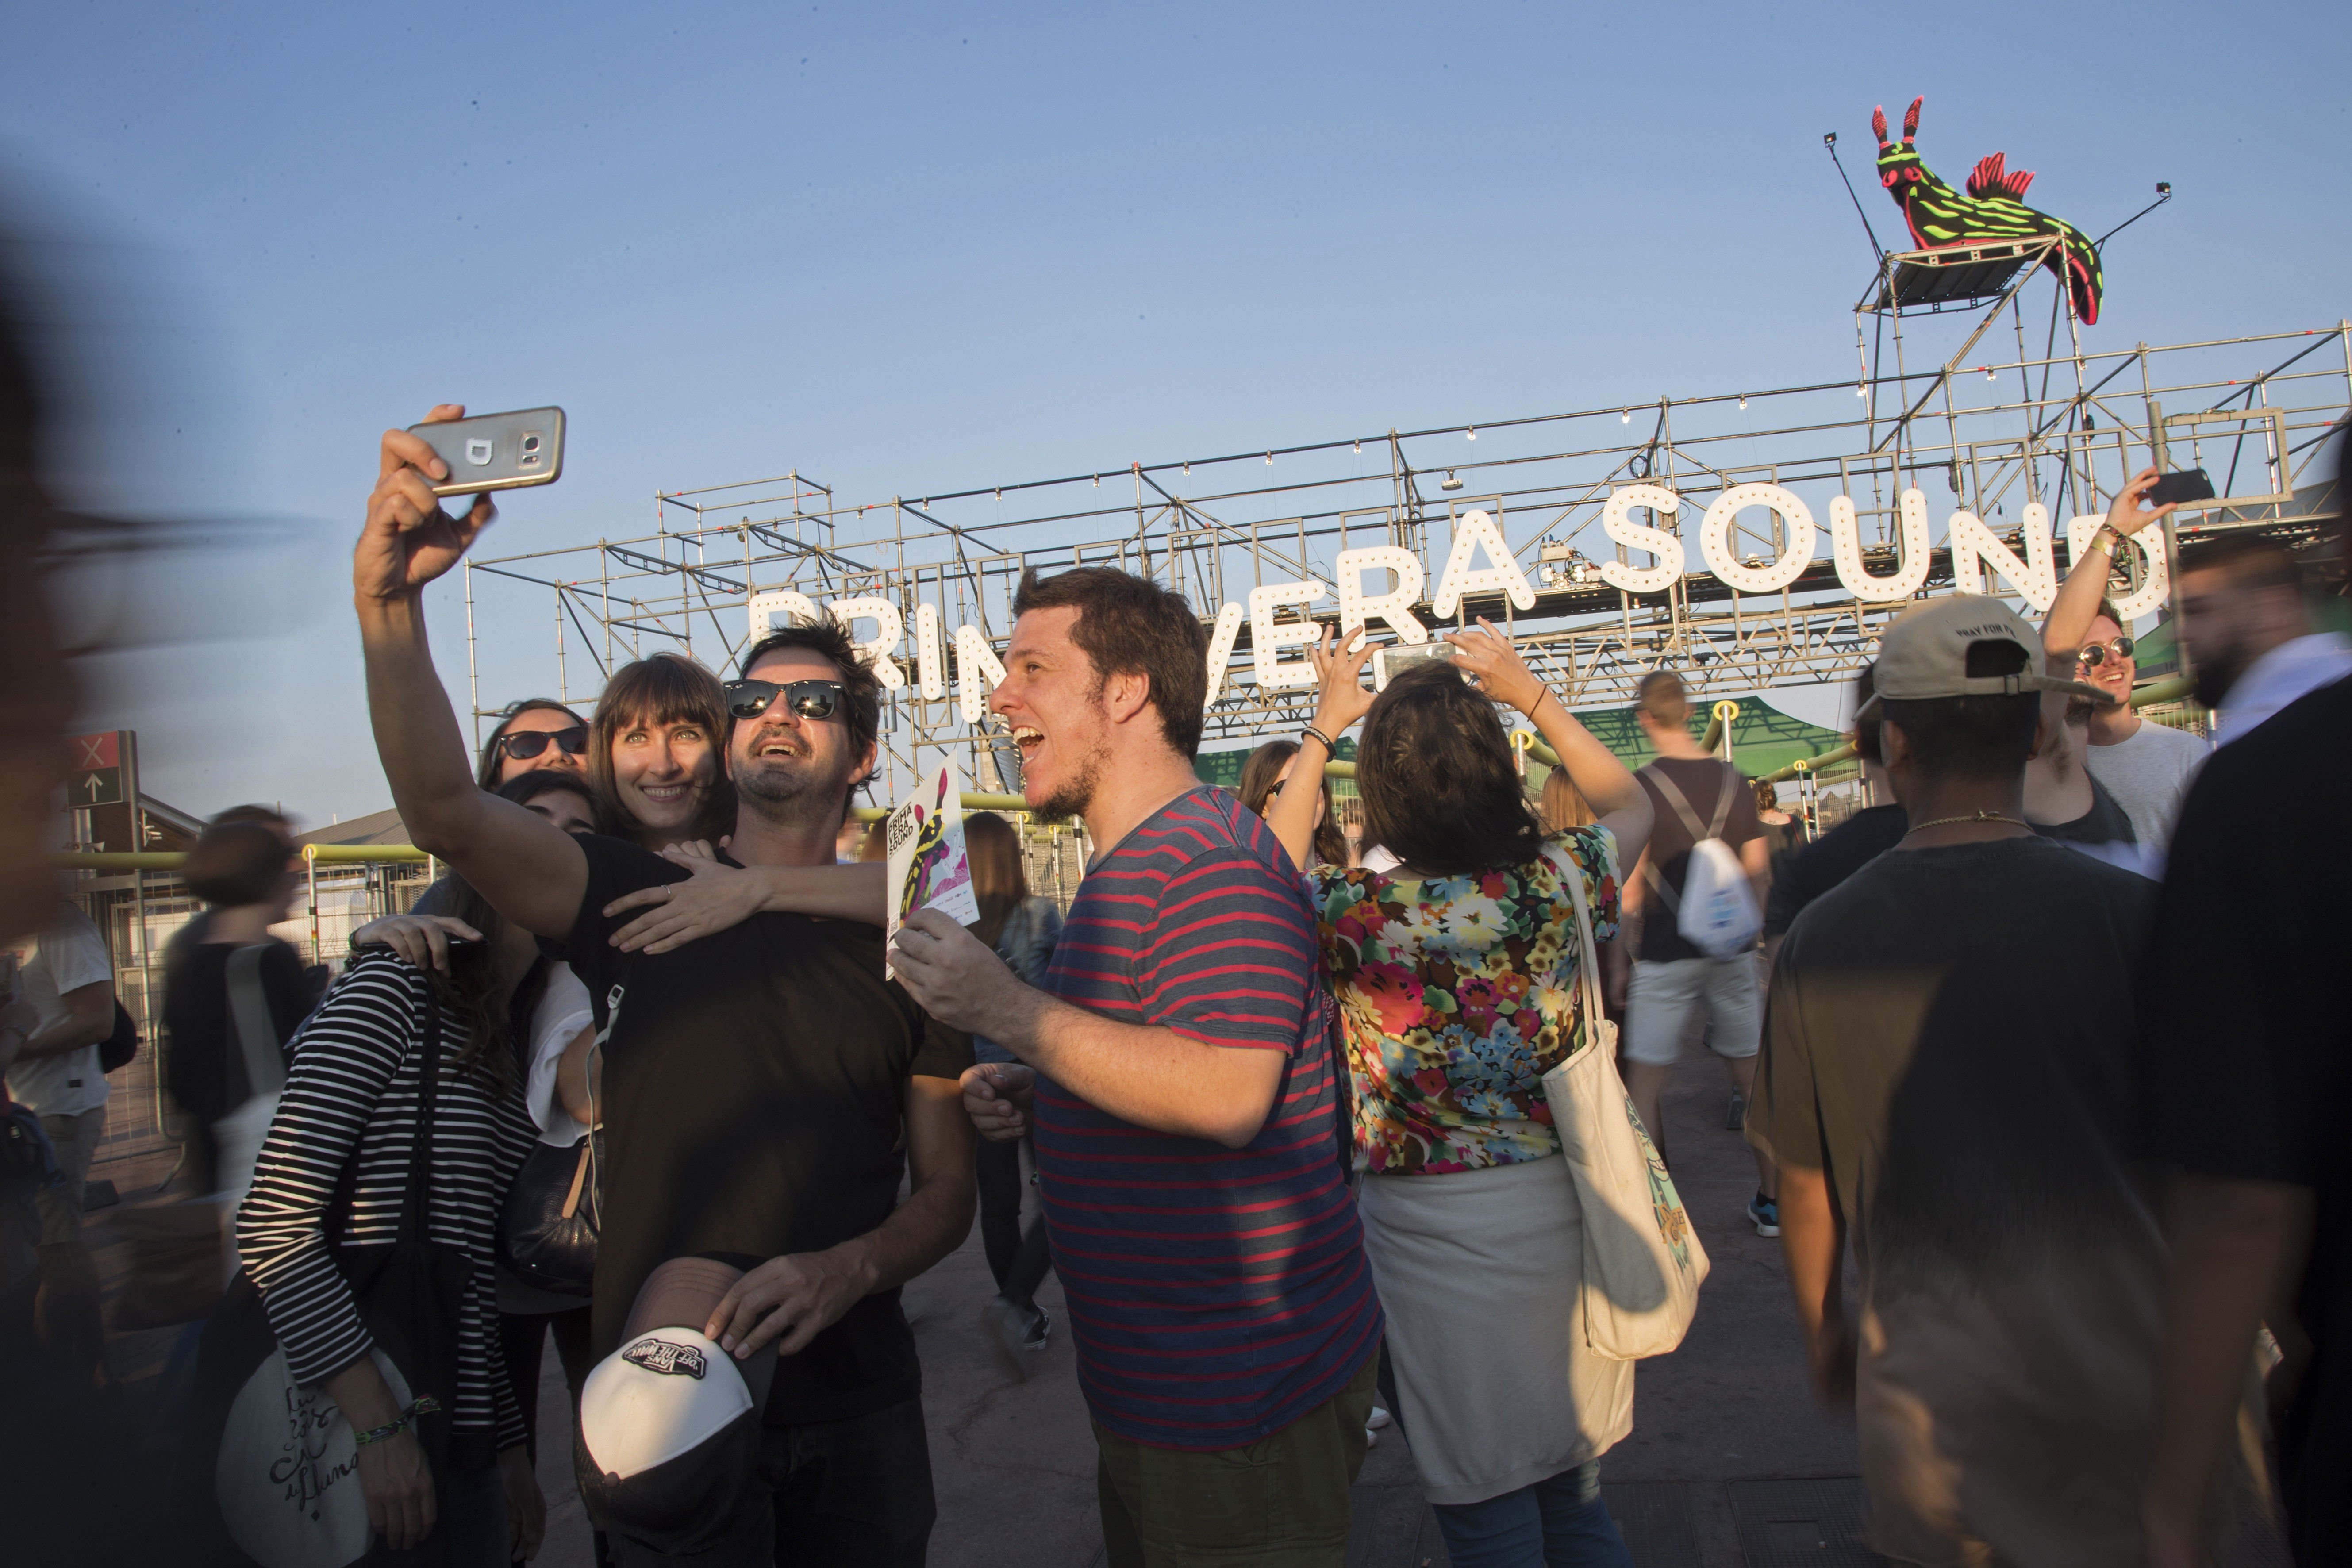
408, 540
1501, 673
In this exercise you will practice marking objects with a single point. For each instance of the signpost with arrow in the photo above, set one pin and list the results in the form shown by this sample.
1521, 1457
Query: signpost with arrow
98, 765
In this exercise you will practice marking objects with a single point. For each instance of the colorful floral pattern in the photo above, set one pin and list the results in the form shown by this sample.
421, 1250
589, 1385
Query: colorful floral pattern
1457, 995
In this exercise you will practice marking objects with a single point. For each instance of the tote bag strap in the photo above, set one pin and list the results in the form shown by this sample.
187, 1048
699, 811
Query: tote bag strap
248, 1012
413, 1202
1588, 960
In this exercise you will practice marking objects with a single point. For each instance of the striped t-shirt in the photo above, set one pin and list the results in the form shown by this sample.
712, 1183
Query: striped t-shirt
353, 1099
1215, 1295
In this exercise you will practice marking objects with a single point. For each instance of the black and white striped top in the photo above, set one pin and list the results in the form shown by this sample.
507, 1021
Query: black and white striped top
353, 1084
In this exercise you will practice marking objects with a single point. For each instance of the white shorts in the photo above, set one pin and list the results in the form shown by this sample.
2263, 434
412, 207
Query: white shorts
1663, 996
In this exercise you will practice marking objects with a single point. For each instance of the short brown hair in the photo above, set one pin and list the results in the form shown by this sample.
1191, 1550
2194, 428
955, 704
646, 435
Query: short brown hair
667, 689
235, 863
1129, 625
1663, 697
2251, 561
861, 690
1441, 790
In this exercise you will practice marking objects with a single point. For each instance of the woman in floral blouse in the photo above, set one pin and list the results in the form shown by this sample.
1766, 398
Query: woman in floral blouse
1456, 974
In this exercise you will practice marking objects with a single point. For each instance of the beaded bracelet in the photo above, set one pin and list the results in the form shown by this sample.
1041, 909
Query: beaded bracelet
425, 1405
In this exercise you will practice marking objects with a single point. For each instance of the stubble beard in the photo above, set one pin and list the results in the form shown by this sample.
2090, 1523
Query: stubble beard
1073, 797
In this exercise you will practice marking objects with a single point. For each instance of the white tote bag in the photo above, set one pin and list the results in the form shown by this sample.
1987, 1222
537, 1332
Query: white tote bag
1643, 1262
309, 1512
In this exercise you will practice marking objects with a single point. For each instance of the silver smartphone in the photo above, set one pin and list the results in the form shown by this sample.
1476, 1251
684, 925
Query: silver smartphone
498, 451
1389, 659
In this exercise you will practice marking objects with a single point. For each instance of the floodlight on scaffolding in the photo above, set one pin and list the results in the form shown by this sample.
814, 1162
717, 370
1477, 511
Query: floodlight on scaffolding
1449, 482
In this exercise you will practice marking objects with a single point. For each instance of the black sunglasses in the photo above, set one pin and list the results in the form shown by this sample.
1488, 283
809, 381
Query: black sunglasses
808, 699
527, 745
2096, 654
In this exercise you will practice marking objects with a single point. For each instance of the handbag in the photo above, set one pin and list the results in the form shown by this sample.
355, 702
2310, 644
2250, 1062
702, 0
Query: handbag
1642, 1263
549, 1223
269, 1473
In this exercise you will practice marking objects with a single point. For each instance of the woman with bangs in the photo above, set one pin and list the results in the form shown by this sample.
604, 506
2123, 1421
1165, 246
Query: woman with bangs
657, 752
1456, 972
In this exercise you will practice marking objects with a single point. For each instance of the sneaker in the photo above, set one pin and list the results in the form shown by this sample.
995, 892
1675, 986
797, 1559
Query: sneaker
1766, 1213
1377, 1419
1008, 1324
1041, 1329
1371, 1437
1735, 1116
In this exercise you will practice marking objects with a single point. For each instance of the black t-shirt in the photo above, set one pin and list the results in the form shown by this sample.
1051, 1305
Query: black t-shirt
753, 1105
1702, 780
2248, 1064
205, 1067
1830, 860
1950, 1038
2106, 823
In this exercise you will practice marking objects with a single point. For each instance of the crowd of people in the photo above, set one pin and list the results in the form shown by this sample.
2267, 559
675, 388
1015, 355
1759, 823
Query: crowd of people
2015, 1037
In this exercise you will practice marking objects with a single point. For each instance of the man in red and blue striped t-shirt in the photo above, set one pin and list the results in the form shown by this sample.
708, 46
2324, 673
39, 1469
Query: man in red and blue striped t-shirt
1181, 1082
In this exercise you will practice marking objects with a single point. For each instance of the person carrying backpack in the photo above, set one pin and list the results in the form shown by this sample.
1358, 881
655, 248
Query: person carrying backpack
1698, 891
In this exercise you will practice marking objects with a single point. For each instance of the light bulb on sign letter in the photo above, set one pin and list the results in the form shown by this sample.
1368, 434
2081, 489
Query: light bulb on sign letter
1395, 605
1617, 522
1472, 533
1796, 554
1845, 550
1268, 637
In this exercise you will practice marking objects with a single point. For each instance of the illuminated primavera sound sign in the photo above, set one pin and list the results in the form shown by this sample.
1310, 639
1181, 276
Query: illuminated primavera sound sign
1481, 563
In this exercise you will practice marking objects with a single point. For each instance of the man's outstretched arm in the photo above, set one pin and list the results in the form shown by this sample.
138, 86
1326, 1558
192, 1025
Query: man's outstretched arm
2077, 604
530, 870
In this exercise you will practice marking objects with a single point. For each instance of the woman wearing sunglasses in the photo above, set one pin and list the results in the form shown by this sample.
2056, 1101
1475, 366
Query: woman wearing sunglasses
535, 733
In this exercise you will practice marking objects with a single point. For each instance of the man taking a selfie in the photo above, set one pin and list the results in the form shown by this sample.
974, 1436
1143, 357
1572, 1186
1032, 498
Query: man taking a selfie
762, 1090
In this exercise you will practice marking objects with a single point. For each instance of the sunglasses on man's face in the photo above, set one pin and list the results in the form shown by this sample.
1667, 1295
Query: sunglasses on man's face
2098, 653
529, 744
808, 699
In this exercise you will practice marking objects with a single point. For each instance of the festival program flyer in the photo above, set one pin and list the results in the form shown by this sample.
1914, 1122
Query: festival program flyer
928, 867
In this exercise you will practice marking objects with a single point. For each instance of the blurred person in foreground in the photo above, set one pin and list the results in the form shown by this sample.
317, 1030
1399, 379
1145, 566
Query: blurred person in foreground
1457, 976
1948, 1085
1692, 796
1179, 1070
240, 869
2144, 766
2247, 630
1022, 930
534, 735
60, 986
1268, 768
1847, 848
765, 1091
2246, 1070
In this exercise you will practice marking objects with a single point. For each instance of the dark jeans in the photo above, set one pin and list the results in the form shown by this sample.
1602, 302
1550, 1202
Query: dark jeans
523, 1337
1556, 1523
1018, 1258
831, 1494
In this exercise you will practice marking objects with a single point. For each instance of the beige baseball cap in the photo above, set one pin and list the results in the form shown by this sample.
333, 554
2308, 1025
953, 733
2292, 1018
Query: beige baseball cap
1924, 653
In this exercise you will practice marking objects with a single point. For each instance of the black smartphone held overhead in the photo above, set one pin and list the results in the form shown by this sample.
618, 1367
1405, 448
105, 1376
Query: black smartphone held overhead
2176, 489
496, 451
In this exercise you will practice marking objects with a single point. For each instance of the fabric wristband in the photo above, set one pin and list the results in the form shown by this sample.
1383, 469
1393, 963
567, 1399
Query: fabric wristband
425, 1405
1313, 734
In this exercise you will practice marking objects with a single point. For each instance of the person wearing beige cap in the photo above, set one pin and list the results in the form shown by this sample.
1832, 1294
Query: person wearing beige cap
1945, 1080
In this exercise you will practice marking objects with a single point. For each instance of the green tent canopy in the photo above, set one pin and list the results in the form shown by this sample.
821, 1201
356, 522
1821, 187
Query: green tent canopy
1763, 740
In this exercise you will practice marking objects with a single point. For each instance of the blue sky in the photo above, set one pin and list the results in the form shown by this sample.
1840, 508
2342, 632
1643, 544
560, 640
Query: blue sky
924, 247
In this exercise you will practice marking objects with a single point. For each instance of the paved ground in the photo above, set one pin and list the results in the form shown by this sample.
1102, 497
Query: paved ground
1013, 1459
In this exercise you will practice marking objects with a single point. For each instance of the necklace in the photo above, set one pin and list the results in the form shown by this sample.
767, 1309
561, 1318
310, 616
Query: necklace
1974, 816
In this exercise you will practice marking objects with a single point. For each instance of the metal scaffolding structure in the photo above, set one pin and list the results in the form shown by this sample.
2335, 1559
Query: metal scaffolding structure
2060, 427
